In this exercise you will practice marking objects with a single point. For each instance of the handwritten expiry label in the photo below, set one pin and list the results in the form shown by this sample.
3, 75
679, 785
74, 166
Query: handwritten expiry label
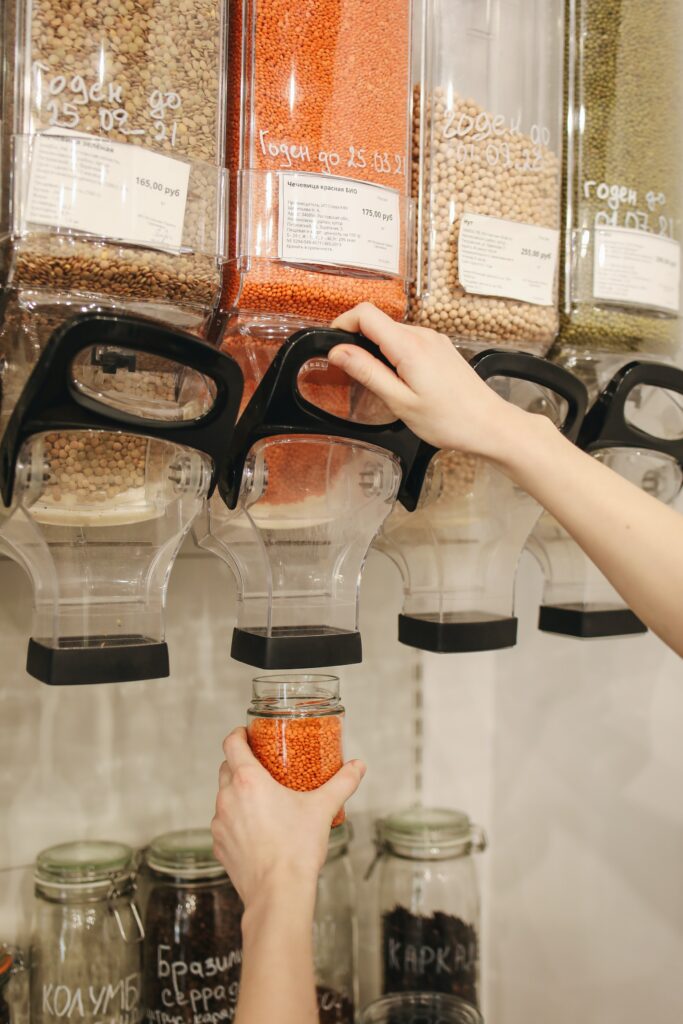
635, 268
508, 259
119, 1001
111, 189
195, 986
339, 221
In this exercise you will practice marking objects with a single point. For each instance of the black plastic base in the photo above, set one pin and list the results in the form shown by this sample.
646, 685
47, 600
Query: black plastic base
468, 632
79, 660
588, 623
289, 647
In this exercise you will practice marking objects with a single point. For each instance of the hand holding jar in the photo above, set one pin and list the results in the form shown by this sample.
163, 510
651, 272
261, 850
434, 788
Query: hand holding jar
263, 831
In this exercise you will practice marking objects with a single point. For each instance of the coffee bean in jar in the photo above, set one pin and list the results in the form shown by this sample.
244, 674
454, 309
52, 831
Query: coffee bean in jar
624, 152
142, 80
192, 953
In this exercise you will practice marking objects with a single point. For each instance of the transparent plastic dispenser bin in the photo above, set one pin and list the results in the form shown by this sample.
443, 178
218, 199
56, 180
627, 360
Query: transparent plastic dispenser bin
114, 144
458, 552
319, 144
487, 161
303, 498
620, 273
101, 488
635, 428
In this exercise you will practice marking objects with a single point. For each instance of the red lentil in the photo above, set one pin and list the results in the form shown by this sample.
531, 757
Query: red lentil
327, 78
300, 753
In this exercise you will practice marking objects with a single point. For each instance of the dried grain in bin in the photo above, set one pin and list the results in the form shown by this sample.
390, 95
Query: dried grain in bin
624, 116
318, 121
294, 725
115, 146
486, 172
192, 953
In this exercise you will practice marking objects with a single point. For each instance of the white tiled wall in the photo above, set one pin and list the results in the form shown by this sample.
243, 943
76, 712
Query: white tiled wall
571, 754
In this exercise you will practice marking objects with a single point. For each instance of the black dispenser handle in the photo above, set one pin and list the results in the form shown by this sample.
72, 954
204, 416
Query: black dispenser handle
51, 401
606, 425
518, 366
277, 407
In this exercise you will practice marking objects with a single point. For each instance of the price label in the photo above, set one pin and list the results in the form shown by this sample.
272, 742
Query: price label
508, 259
635, 268
111, 189
340, 221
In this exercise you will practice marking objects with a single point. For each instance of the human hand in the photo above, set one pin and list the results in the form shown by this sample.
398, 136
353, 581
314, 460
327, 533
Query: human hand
433, 389
267, 836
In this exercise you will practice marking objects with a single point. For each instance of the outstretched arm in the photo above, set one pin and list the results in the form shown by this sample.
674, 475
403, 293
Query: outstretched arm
635, 540
272, 842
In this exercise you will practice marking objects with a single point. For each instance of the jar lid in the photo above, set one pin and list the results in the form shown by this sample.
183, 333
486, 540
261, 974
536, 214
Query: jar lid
426, 832
186, 854
88, 862
421, 1008
339, 840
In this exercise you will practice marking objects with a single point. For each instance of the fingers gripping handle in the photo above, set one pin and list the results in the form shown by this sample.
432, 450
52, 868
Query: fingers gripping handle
278, 408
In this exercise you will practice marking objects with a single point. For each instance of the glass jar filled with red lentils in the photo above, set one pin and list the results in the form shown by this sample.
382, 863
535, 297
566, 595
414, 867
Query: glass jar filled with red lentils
295, 725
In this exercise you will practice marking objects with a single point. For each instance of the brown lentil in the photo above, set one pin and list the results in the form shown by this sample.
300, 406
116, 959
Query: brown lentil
115, 68
623, 165
300, 753
462, 179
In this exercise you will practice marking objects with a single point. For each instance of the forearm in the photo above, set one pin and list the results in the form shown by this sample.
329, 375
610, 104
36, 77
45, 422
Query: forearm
635, 540
278, 981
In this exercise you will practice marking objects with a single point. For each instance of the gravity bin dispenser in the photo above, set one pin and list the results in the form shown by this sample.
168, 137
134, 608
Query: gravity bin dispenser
303, 497
458, 552
107, 458
636, 428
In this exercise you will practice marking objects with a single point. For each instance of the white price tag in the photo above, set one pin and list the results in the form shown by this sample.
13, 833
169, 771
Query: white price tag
340, 221
111, 189
635, 268
508, 259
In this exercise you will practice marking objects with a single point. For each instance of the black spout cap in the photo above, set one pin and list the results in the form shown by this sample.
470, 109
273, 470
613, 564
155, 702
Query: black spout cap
51, 400
589, 623
297, 648
606, 425
80, 661
277, 408
457, 633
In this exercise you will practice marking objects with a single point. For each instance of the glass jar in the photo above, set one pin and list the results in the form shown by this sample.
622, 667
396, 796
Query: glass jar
420, 1008
335, 933
429, 902
294, 726
117, 122
624, 123
487, 132
319, 182
14, 1007
192, 954
87, 936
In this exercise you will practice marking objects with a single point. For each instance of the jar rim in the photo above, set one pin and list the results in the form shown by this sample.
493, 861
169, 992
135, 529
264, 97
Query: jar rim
184, 853
297, 693
429, 832
83, 863
442, 1007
